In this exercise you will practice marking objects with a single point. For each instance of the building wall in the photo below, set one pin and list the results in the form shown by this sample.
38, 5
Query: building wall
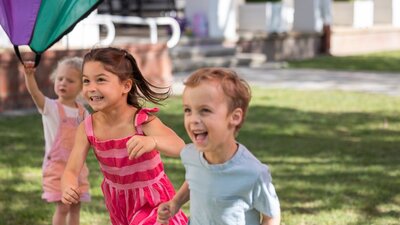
153, 60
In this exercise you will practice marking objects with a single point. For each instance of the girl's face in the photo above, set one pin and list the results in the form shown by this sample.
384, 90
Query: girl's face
207, 120
103, 89
67, 83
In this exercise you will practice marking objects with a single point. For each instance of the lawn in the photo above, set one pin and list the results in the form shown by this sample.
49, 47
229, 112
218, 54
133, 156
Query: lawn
381, 61
334, 158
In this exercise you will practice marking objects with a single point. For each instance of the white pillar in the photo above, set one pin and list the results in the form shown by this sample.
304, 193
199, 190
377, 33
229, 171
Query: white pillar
309, 15
387, 12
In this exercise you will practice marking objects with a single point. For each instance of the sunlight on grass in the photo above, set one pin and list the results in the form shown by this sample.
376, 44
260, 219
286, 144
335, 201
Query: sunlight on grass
334, 158
380, 61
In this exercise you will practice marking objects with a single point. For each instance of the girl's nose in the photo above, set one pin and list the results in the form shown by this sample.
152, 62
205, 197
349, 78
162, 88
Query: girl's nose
89, 87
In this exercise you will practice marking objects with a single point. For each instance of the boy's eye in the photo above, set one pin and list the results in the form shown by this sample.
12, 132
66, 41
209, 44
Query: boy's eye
186, 110
85, 81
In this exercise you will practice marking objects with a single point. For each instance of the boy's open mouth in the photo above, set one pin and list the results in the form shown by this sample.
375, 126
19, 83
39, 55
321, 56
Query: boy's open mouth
200, 136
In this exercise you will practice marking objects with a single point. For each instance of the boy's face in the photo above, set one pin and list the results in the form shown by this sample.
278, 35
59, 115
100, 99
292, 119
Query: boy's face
207, 121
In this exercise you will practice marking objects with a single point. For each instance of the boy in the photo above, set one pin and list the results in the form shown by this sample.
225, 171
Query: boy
227, 184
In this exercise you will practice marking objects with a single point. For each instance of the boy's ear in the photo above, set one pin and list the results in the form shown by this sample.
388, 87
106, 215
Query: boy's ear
236, 116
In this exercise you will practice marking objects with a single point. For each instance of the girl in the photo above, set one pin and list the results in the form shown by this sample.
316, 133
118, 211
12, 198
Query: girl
126, 139
60, 118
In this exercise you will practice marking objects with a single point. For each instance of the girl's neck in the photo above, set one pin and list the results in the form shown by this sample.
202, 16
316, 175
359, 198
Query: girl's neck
114, 124
118, 113
67, 102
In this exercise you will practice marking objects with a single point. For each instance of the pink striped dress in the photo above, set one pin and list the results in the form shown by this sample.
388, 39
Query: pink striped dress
132, 188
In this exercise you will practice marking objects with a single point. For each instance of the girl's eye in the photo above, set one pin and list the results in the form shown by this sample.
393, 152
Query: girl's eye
85, 81
186, 110
205, 110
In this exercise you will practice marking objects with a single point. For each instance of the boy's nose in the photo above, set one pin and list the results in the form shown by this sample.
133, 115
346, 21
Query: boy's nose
194, 119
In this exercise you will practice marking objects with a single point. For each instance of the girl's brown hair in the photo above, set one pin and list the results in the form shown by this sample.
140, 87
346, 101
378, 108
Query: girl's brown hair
123, 64
235, 88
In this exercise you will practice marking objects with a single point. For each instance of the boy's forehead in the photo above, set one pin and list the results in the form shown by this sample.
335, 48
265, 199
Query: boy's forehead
211, 91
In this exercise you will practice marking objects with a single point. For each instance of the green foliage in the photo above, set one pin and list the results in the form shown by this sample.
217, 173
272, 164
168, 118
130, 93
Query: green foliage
382, 61
334, 158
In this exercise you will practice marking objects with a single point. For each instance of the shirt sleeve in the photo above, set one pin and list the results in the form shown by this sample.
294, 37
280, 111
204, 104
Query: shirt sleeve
50, 107
264, 195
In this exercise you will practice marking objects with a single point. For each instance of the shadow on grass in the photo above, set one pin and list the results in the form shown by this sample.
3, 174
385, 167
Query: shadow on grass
328, 161
320, 162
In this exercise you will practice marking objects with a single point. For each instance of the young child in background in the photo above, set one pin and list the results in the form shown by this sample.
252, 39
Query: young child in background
225, 183
60, 118
126, 139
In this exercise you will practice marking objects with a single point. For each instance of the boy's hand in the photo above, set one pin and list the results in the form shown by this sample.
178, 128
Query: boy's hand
138, 145
29, 68
71, 195
165, 212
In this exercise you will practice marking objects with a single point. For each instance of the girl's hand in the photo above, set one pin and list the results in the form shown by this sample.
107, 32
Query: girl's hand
138, 145
29, 68
165, 212
71, 195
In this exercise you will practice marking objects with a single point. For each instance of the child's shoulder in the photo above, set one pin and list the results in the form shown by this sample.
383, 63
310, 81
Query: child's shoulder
249, 159
145, 115
189, 152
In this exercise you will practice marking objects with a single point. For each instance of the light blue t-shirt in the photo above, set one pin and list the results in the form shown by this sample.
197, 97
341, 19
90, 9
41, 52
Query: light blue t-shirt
232, 193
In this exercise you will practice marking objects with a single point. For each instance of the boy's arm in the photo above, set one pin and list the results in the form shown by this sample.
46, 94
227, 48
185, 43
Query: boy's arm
168, 209
76, 160
182, 196
158, 136
266, 220
32, 86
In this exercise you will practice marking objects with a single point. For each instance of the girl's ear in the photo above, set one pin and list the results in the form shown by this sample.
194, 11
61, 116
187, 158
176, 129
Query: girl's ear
236, 117
127, 85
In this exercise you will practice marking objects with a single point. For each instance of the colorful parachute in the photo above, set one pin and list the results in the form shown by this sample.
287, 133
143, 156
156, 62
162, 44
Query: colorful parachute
41, 23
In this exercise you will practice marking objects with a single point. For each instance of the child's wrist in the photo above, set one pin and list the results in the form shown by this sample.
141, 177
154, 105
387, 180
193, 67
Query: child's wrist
155, 142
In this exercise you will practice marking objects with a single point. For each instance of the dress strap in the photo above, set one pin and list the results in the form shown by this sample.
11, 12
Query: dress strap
61, 111
81, 112
88, 126
142, 116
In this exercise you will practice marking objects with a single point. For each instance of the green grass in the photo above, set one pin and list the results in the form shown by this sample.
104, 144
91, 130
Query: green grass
382, 61
334, 158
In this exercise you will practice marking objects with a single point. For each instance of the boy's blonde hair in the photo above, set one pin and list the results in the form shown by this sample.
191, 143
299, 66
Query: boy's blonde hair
73, 62
236, 89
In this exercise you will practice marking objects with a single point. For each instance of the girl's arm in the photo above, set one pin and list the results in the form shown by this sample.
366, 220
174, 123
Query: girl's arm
32, 86
266, 220
168, 209
158, 136
69, 181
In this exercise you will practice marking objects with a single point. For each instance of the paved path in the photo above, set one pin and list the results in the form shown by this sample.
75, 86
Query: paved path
301, 79
306, 79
